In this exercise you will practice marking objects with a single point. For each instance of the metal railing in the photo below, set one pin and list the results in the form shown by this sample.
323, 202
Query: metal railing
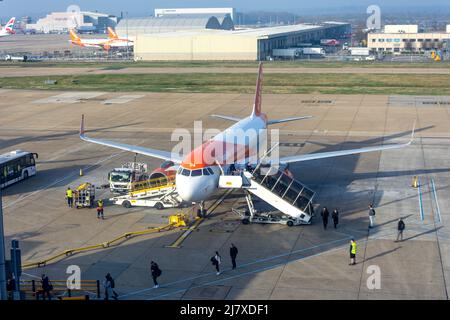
103, 245
88, 288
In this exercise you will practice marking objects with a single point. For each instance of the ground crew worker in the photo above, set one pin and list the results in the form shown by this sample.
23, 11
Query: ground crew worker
353, 249
335, 217
100, 209
325, 215
371, 216
233, 255
400, 228
69, 197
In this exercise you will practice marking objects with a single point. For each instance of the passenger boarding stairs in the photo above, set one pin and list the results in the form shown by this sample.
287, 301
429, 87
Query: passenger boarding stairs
276, 188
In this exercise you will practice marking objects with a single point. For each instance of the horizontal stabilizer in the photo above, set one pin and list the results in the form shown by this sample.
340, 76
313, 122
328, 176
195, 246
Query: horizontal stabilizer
226, 117
287, 119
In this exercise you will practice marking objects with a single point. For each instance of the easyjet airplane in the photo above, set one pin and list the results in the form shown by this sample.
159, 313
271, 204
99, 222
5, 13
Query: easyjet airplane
198, 173
8, 29
113, 41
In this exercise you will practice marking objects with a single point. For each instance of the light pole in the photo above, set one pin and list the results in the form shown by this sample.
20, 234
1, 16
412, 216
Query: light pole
128, 41
3, 293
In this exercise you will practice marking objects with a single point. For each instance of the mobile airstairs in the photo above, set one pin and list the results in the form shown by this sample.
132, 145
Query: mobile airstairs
277, 188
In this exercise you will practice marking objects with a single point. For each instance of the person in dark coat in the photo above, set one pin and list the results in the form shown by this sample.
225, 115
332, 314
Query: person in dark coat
156, 272
46, 287
233, 255
325, 215
216, 261
112, 285
400, 228
335, 217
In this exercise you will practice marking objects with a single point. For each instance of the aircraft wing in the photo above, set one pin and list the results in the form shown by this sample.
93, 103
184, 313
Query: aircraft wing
164, 155
331, 154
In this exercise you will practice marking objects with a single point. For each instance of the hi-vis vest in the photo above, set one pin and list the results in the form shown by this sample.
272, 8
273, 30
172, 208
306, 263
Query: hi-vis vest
69, 193
353, 244
100, 203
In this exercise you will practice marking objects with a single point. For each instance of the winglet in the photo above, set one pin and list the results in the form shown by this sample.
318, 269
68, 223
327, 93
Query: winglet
82, 126
257, 102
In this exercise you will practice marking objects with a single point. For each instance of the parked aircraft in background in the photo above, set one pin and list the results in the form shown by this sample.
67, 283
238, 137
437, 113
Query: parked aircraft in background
113, 41
8, 29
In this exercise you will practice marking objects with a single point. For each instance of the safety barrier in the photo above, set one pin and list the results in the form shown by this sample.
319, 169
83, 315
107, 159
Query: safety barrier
177, 243
107, 244
88, 288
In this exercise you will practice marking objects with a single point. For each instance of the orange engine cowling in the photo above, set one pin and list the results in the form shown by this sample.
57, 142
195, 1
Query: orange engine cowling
164, 174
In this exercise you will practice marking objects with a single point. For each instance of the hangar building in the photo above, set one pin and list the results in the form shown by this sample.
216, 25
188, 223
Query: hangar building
246, 44
134, 27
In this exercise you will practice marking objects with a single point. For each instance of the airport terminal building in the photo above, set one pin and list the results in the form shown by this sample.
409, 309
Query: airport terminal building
80, 20
245, 44
407, 38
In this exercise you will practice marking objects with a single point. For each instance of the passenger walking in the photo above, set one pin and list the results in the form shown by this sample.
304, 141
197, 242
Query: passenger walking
400, 228
108, 285
47, 287
233, 255
100, 209
216, 261
112, 285
353, 249
156, 272
371, 216
69, 197
325, 215
335, 217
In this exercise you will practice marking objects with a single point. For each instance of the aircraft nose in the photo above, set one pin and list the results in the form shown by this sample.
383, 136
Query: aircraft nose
195, 189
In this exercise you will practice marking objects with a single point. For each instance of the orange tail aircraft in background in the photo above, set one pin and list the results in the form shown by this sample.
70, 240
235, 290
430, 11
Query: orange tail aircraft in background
113, 41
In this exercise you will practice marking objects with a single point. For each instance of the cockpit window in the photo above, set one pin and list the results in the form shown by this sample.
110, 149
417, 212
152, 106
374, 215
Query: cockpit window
210, 171
180, 169
186, 173
196, 173
206, 172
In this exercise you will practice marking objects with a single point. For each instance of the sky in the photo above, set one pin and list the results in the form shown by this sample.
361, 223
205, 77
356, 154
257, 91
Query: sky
38, 8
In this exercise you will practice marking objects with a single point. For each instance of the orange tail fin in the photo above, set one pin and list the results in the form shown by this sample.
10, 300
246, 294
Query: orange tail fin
257, 102
112, 34
74, 37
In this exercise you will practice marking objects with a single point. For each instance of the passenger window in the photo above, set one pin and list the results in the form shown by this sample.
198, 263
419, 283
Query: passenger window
205, 172
196, 173
186, 173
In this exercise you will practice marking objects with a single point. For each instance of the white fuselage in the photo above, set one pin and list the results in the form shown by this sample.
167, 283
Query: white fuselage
197, 178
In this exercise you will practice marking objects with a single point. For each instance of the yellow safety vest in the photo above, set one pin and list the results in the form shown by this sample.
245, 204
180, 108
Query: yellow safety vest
353, 244
69, 193
100, 203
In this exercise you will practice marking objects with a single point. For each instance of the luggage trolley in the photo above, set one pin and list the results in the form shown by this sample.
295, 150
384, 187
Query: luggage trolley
84, 196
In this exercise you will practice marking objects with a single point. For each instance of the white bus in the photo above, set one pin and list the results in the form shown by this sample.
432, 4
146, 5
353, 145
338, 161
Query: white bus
15, 166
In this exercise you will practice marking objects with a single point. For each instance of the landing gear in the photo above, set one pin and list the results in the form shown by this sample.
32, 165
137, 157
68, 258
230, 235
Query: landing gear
201, 212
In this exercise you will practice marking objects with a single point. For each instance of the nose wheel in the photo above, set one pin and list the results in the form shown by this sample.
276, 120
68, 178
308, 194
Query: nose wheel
201, 212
